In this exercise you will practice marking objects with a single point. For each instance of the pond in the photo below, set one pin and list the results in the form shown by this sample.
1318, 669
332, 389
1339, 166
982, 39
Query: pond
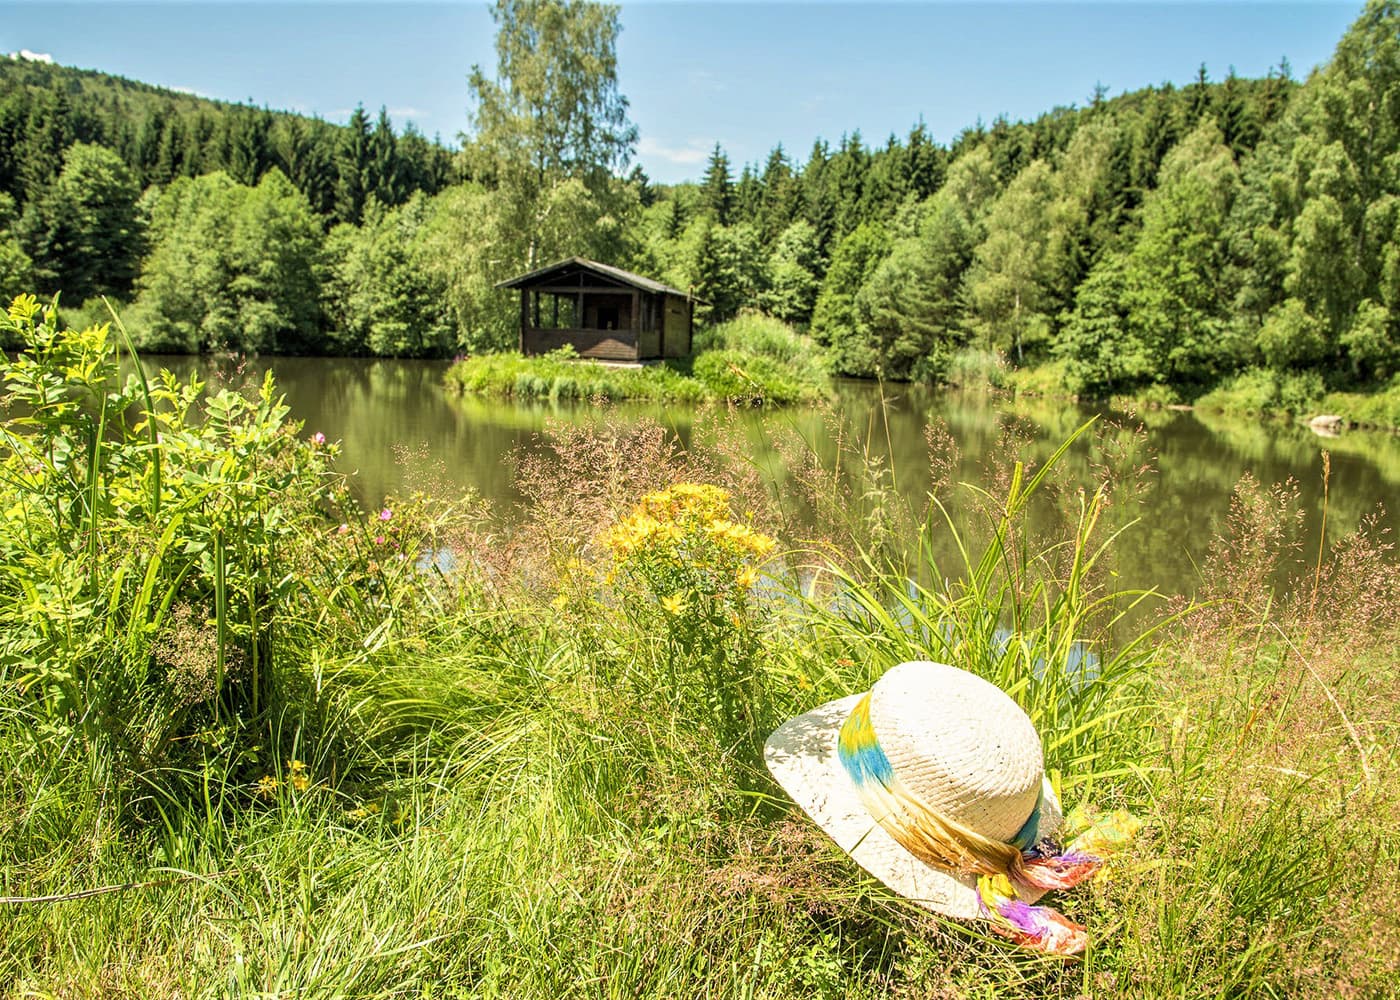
400, 431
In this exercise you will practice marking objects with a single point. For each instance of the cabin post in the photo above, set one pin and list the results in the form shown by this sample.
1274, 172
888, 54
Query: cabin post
524, 316
635, 322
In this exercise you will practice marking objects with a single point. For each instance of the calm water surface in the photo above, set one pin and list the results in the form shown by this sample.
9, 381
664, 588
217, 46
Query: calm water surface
400, 431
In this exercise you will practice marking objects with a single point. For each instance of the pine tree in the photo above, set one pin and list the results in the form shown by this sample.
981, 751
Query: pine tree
717, 189
352, 167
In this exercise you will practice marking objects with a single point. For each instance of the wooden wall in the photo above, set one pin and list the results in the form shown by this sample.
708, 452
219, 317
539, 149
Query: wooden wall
609, 345
677, 320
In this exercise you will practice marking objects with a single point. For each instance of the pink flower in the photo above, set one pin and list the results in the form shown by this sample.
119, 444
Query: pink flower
385, 514
378, 539
318, 439
344, 529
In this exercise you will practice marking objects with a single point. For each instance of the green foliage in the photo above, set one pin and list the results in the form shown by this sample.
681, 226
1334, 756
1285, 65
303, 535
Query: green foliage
16, 269
1050, 380
83, 233
974, 368
1262, 391
1377, 409
382, 294
231, 268
1153, 314
162, 134
757, 334
1007, 286
906, 316
735, 375
1158, 242
792, 274
725, 267
560, 375
145, 543
752, 379
552, 116
852, 262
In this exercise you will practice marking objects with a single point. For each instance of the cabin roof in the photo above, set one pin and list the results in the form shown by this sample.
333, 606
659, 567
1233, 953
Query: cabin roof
638, 281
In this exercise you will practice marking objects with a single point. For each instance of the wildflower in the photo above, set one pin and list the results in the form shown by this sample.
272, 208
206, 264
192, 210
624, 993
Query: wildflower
747, 576
300, 779
364, 812
386, 514
266, 787
318, 439
675, 604
344, 529
560, 602
378, 539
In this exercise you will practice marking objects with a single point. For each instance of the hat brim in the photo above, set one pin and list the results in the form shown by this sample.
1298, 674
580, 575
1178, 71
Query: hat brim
801, 754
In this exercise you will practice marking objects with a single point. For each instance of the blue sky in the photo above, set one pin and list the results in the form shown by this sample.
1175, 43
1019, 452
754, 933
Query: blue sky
747, 75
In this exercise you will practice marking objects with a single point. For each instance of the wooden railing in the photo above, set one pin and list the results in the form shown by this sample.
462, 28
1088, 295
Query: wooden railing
604, 345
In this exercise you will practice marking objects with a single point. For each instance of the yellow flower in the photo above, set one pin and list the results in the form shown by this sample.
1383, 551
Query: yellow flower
266, 787
747, 576
299, 778
560, 602
675, 604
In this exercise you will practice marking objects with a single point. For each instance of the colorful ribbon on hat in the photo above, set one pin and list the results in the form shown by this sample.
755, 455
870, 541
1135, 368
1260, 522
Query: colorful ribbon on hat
1028, 860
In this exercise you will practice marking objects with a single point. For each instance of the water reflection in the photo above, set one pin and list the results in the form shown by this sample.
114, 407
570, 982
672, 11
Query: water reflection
399, 431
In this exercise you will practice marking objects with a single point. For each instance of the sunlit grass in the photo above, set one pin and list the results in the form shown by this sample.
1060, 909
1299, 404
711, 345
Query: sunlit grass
531, 777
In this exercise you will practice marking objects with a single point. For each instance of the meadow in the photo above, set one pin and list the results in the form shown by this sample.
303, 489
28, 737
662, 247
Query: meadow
256, 740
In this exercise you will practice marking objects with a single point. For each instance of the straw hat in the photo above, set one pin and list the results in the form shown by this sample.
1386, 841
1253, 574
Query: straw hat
955, 741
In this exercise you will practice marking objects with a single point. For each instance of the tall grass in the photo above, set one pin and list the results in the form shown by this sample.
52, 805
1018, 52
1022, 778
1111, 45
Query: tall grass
529, 776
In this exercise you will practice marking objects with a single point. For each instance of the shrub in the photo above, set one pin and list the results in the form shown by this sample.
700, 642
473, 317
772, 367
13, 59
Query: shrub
162, 551
972, 367
1263, 391
1050, 379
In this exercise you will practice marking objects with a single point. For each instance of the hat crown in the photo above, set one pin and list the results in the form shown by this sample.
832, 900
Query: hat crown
960, 744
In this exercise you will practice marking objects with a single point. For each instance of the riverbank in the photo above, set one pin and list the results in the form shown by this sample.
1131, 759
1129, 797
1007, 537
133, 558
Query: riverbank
257, 743
1254, 393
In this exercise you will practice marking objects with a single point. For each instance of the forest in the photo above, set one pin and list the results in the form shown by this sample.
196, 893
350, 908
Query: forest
1162, 242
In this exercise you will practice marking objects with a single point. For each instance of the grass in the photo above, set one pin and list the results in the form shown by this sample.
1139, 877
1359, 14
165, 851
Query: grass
751, 361
512, 780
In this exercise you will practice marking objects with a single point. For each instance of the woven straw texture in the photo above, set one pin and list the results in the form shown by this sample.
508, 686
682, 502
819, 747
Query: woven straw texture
801, 754
960, 744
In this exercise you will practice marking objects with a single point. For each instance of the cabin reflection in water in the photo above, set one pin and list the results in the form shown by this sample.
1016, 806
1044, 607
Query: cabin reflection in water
603, 312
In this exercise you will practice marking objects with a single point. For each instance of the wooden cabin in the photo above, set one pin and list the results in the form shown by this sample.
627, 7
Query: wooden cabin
606, 313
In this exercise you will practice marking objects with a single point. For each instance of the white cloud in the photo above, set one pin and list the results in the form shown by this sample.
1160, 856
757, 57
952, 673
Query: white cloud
192, 92
691, 153
416, 114
42, 57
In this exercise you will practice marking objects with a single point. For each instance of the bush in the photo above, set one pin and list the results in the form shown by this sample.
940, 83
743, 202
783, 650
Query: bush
1264, 391
1378, 409
1050, 380
741, 377
973, 367
162, 551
